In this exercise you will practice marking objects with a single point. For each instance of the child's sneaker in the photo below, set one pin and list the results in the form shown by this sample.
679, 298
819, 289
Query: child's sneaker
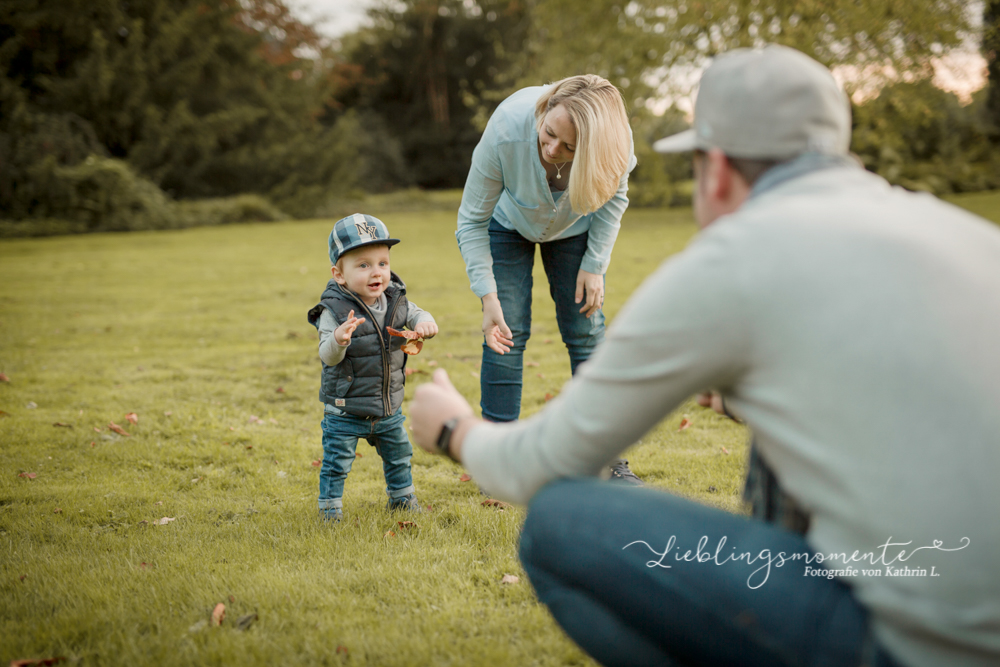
620, 472
332, 515
408, 502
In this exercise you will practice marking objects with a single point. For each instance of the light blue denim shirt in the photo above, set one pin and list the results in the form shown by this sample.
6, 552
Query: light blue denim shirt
507, 182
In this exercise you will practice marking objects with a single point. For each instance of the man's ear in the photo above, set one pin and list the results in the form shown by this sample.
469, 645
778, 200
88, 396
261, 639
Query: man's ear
338, 275
718, 175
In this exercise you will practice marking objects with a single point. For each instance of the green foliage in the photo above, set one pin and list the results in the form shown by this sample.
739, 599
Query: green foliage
646, 47
430, 72
991, 51
921, 137
203, 99
658, 180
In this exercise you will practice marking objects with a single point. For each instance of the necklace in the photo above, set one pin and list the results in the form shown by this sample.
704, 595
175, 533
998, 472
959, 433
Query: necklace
559, 169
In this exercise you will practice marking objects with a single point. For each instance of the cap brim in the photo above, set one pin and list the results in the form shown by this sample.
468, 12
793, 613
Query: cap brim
388, 242
676, 143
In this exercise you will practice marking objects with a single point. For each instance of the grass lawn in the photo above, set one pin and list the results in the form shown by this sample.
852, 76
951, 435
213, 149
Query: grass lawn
202, 334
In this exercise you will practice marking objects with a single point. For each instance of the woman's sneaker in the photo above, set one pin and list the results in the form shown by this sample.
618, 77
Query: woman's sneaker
620, 472
408, 502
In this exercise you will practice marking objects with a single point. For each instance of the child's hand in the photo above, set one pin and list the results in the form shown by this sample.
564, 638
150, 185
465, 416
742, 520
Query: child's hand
426, 329
343, 333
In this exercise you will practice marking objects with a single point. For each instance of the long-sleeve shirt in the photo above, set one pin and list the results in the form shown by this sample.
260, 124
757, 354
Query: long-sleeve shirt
856, 329
507, 182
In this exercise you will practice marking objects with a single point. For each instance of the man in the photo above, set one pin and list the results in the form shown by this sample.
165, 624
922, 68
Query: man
855, 328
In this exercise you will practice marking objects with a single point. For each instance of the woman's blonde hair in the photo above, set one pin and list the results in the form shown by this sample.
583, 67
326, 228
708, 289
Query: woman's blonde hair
596, 109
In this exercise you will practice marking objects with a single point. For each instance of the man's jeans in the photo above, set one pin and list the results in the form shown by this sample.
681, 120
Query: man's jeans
340, 438
594, 553
513, 259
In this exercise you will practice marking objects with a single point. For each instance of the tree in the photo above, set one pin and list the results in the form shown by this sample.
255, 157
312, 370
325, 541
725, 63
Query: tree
647, 46
991, 51
204, 98
427, 73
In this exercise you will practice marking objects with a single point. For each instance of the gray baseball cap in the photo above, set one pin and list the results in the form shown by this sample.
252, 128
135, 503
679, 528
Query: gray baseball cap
769, 103
356, 231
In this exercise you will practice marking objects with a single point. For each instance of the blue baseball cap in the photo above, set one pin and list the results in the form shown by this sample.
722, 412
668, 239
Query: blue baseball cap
356, 231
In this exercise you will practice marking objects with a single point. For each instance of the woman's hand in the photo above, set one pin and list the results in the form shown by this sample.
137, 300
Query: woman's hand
590, 286
495, 330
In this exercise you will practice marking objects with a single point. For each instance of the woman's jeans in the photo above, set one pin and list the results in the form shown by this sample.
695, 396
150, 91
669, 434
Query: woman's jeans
513, 260
340, 439
608, 561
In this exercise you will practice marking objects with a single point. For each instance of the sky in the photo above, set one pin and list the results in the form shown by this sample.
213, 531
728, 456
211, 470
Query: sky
332, 17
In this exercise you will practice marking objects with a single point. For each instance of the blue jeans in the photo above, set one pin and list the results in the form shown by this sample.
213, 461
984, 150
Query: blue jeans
593, 551
340, 438
513, 260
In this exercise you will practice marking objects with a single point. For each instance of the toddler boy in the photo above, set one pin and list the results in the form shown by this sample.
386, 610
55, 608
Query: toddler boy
362, 382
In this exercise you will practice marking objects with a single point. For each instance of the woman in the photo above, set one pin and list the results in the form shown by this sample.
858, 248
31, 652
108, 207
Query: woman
551, 169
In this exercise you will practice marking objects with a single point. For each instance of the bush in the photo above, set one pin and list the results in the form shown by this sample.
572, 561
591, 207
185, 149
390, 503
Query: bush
227, 210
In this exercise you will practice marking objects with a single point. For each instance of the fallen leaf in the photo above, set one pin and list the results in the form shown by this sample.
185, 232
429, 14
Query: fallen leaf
510, 579
98, 429
143, 565
464, 478
23, 577
218, 614
29, 475
548, 397
541, 375
4, 413
432, 363
158, 502
341, 649
249, 446
117, 429
232, 599
272, 420
4, 378
61, 424
724, 450
492, 502
244, 622
279, 390
57, 510
254, 419
31, 405
547, 341
316, 464
406, 524
414, 342
359, 455
132, 418
167, 413
143, 523
685, 423
411, 371
164, 521
474, 374
531, 364
93, 444
389, 534
199, 626
196, 480
37, 661
429, 508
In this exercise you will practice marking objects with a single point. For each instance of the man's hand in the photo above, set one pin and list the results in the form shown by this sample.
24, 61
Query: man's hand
433, 404
590, 290
343, 333
495, 330
426, 329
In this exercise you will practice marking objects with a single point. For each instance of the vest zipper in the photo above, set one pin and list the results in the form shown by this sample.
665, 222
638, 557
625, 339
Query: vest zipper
385, 348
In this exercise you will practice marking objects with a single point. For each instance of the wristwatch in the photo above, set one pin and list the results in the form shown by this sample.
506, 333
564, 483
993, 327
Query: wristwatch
444, 438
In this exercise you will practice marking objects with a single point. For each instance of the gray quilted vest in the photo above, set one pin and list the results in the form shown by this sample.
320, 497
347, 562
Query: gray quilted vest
369, 381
